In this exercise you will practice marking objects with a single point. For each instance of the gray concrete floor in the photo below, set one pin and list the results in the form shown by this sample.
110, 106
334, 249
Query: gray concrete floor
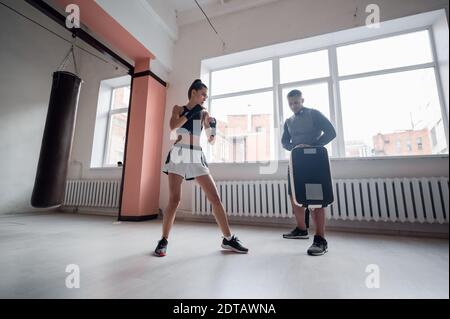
115, 261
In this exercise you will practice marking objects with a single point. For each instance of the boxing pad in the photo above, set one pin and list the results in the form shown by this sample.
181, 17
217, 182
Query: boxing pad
49, 185
310, 177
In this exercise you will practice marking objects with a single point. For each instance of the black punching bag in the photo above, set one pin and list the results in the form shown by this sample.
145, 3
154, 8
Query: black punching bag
50, 183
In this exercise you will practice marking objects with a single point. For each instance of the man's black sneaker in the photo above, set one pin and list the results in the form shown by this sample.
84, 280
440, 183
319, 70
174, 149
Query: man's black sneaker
319, 246
161, 249
234, 244
297, 233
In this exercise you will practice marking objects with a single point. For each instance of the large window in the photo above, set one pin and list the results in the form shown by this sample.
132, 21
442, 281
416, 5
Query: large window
111, 123
244, 78
400, 107
390, 95
117, 126
245, 128
242, 101
381, 96
387, 53
304, 67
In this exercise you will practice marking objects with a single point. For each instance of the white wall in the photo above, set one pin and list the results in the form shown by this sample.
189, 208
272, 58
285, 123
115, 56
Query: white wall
28, 57
93, 73
283, 21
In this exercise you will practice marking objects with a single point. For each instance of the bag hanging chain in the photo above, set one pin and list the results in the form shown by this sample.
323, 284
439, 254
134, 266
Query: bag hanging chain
71, 51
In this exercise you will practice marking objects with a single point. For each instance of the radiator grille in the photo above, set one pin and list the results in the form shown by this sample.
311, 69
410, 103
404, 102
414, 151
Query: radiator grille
423, 200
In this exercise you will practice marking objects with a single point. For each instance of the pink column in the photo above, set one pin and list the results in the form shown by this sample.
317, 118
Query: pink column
142, 174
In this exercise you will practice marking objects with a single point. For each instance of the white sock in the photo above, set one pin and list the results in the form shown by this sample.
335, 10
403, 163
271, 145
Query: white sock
229, 237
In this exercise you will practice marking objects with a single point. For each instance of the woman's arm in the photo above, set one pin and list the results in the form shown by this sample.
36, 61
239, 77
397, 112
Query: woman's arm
177, 120
206, 122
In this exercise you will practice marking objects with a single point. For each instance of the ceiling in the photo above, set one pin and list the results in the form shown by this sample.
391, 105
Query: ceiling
185, 5
187, 11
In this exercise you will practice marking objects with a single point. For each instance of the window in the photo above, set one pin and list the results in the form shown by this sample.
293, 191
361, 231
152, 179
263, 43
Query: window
380, 95
120, 98
117, 126
409, 145
111, 122
244, 128
243, 78
390, 105
304, 67
392, 52
419, 144
116, 142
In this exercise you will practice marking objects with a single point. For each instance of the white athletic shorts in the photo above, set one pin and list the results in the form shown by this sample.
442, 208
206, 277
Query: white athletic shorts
187, 161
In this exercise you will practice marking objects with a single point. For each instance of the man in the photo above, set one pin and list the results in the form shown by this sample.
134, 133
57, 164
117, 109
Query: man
307, 127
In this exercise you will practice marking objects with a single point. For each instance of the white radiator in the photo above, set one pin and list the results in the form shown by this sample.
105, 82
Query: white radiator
423, 200
92, 193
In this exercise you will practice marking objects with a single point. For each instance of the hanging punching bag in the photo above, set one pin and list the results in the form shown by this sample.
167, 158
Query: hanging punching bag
50, 183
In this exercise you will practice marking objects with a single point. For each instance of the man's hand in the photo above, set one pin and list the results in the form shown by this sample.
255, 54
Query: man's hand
212, 139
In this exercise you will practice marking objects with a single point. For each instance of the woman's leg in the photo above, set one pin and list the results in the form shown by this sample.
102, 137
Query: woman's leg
175, 182
206, 182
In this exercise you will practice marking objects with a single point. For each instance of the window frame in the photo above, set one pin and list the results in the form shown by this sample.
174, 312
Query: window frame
333, 80
111, 113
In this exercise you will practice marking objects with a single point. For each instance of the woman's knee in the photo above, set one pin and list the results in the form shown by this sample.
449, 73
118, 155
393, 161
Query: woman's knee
175, 199
214, 199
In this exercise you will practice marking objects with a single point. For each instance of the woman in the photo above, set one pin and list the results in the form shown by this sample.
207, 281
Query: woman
187, 161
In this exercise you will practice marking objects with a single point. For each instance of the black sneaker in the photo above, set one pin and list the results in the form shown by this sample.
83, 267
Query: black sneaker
319, 246
234, 245
297, 233
161, 249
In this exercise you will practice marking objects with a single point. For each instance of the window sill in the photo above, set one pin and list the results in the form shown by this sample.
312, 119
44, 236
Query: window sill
348, 159
374, 158
105, 168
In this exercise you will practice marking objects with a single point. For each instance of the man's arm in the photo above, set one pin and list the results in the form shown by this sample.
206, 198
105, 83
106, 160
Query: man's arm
286, 139
329, 133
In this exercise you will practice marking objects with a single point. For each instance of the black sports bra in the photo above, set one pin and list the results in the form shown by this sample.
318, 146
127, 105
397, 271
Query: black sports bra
194, 128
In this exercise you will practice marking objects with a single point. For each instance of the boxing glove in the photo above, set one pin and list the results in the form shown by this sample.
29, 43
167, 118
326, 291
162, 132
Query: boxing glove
213, 125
